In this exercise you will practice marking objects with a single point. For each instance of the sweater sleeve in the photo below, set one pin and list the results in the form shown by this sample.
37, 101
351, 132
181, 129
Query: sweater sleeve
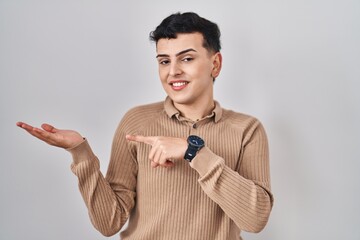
109, 200
244, 193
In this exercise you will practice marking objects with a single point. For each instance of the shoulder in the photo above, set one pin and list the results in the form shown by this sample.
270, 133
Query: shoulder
244, 123
238, 119
147, 109
139, 116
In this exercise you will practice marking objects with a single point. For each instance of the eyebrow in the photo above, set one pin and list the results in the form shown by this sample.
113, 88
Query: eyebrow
177, 54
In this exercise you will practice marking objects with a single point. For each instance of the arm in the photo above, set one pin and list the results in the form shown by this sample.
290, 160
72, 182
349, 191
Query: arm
109, 200
108, 204
243, 194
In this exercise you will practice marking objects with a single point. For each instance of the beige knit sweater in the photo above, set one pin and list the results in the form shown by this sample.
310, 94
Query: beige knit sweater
225, 189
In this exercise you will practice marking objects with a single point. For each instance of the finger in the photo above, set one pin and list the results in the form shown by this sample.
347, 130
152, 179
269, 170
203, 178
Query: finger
19, 124
157, 156
141, 139
48, 137
154, 164
49, 128
168, 163
43, 135
36, 132
153, 151
24, 126
162, 158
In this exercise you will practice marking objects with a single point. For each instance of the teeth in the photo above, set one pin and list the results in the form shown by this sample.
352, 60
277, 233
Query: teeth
179, 84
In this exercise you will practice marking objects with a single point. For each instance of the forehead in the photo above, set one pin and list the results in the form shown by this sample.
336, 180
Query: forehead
181, 42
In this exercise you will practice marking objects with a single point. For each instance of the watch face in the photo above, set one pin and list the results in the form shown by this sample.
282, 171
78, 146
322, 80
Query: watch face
196, 141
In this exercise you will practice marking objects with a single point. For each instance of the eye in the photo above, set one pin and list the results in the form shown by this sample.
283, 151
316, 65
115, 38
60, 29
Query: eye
164, 62
187, 59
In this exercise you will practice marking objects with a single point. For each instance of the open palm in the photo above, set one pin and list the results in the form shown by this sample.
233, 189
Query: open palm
53, 136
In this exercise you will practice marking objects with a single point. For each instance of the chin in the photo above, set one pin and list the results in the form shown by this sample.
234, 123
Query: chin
179, 99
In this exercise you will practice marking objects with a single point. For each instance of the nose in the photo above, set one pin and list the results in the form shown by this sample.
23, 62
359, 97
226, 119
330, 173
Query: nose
175, 69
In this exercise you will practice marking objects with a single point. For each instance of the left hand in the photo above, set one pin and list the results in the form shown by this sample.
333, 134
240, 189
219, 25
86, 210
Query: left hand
164, 149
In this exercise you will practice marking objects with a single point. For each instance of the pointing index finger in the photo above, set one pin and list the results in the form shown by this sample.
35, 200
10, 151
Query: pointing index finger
141, 139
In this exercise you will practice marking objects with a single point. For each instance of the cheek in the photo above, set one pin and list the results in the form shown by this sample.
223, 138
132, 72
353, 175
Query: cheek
203, 70
162, 75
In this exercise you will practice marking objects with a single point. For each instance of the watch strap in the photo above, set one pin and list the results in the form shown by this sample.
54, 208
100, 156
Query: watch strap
190, 153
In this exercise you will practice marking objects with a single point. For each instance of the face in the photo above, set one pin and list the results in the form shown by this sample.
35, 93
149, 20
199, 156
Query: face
187, 69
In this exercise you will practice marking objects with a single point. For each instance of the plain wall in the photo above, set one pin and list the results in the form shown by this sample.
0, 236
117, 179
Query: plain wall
81, 65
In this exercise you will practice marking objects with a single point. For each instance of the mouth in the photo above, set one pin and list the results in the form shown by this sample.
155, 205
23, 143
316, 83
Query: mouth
178, 85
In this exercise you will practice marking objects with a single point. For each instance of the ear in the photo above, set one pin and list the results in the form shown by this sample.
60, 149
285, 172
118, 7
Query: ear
217, 63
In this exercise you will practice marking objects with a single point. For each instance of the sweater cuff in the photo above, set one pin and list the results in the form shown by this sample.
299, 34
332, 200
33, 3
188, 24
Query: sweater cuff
81, 152
205, 160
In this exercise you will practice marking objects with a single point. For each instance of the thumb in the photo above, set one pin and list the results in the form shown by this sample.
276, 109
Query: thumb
49, 128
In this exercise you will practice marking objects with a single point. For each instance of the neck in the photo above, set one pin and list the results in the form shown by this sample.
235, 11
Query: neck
196, 111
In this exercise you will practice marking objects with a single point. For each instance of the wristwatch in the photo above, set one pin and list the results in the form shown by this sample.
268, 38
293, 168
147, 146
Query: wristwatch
195, 143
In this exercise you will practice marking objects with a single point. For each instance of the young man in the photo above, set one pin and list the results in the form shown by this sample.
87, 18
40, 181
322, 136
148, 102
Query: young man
180, 169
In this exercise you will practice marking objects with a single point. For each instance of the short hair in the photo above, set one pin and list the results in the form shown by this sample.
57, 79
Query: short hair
188, 22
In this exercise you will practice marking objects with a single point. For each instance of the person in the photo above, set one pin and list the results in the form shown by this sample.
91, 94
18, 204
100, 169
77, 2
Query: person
183, 168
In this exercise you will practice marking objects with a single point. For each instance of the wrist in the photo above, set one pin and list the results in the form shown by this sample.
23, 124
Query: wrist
206, 161
195, 144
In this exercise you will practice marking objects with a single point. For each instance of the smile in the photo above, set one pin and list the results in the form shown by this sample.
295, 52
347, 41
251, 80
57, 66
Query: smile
179, 85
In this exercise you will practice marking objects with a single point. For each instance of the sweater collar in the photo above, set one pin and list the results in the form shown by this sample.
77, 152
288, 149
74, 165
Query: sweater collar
171, 110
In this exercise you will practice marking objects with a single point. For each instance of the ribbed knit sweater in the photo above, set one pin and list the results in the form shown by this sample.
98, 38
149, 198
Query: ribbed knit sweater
224, 190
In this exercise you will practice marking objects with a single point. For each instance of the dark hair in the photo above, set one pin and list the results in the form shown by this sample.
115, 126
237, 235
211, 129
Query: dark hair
188, 22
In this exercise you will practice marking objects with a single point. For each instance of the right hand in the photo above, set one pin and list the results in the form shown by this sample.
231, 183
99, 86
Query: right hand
55, 137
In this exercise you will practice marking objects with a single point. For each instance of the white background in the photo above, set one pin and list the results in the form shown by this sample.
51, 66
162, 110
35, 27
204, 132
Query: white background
83, 64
